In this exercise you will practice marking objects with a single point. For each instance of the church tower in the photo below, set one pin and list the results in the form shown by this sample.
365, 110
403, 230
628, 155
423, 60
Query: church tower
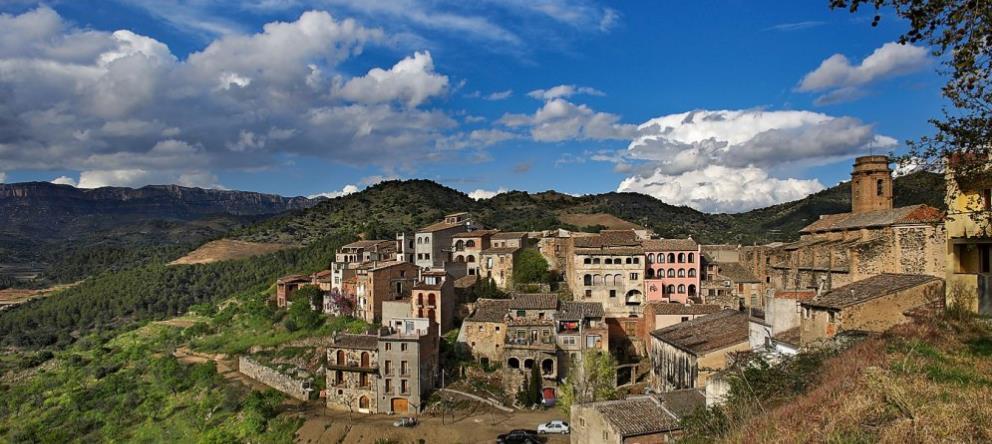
871, 184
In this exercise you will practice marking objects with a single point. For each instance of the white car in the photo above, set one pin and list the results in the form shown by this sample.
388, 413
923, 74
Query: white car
553, 427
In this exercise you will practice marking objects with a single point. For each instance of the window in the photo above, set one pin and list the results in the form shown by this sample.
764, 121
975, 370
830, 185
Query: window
633, 276
681, 272
637, 260
651, 258
681, 289
613, 293
521, 313
595, 261
681, 258
879, 187
480, 328
389, 346
685, 318
630, 260
833, 315
692, 258
671, 272
587, 260
389, 386
588, 293
387, 367
404, 386
403, 347
608, 261
692, 272
404, 368
987, 197
497, 328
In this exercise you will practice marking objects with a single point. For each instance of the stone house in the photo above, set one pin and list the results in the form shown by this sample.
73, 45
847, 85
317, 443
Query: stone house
553, 246
686, 354
467, 247
969, 242
352, 372
509, 239
433, 242
530, 342
497, 264
736, 281
872, 239
287, 285
408, 368
650, 419
376, 282
659, 315
581, 328
366, 251
434, 298
673, 269
533, 305
609, 269
484, 331
874, 304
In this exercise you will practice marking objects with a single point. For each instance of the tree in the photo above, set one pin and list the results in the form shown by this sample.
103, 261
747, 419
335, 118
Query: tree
593, 379
530, 267
342, 305
312, 294
534, 389
301, 315
959, 32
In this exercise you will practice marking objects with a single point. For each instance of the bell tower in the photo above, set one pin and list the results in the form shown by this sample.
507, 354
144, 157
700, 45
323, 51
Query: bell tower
871, 184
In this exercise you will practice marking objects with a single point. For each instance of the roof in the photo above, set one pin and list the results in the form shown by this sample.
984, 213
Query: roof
500, 250
364, 243
707, 333
913, 214
379, 265
790, 336
736, 272
609, 251
609, 238
577, 311
367, 342
293, 278
670, 308
670, 245
867, 289
683, 402
799, 295
426, 286
474, 233
637, 415
440, 226
534, 301
466, 281
510, 235
490, 310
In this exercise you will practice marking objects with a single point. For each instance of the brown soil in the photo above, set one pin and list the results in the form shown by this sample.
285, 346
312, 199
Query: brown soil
607, 220
227, 249
12, 296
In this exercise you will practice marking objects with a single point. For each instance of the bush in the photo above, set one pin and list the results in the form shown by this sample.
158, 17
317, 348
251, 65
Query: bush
530, 267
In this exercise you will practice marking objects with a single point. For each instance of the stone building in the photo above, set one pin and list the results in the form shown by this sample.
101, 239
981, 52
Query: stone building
533, 305
408, 368
659, 315
969, 242
686, 354
509, 239
352, 372
434, 298
651, 419
609, 269
731, 281
467, 248
874, 238
287, 285
530, 342
484, 331
673, 269
873, 304
497, 264
406, 247
433, 242
775, 328
366, 251
376, 282
581, 328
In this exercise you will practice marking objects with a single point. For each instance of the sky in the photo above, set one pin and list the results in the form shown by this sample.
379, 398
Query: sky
720, 106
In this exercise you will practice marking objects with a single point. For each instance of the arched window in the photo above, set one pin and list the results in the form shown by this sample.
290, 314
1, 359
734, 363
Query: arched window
681, 289
692, 272
365, 359
618, 279
595, 261
671, 272
671, 258
587, 260
459, 245
470, 243
670, 289
420, 298
661, 258
692, 258
879, 187
427, 240
420, 240
651, 258
363, 402
630, 260
430, 299
649, 274
681, 272
681, 258
471, 259
587, 279
513, 363
608, 261
340, 357
692, 290
459, 258
597, 279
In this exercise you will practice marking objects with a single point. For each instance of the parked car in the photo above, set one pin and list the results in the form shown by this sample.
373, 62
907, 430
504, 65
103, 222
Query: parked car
554, 427
408, 421
519, 436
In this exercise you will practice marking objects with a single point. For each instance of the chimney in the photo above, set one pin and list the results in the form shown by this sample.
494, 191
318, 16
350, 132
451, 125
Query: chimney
871, 184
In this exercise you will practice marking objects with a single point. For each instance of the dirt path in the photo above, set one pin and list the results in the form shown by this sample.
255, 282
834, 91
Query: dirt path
227, 368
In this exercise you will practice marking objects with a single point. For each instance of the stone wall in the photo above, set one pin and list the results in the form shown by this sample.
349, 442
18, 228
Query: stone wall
298, 388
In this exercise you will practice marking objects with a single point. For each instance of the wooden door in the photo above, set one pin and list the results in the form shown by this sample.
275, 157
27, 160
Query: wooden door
400, 405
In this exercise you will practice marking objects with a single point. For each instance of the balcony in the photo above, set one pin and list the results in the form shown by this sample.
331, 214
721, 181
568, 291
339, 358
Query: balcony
528, 343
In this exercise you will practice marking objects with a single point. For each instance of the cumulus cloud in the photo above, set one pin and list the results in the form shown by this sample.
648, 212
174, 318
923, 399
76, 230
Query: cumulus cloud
480, 193
718, 188
124, 110
559, 119
842, 81
563, 91
64, 180
348, 189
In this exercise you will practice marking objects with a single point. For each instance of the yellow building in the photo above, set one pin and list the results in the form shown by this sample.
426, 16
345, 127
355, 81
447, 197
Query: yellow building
969, 242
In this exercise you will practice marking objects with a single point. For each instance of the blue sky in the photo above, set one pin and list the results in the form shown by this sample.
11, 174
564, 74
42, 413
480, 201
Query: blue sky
344, 93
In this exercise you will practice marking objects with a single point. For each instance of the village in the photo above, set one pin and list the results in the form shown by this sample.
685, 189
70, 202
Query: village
668, 316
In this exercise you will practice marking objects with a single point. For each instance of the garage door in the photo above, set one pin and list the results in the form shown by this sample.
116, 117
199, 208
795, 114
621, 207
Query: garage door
400, 405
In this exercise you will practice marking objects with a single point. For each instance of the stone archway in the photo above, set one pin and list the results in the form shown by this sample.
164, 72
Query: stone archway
513, 363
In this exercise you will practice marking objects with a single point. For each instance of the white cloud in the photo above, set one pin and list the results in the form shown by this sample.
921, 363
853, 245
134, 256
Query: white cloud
3, 177
721, 189
64, 180
348, 189
560, 120
480, 194
563, 91
411, 81
500, 95
115, 178
842, 81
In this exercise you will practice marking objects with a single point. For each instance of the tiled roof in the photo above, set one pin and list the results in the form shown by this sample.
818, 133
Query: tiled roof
440, 226
475, 234
790, 336
490, 310
670, 308
912, 214
867, 289
466, 281
510, 235
736, 272
683, 402
293, 278
707, 333
799, 295
367, 342
609, 238
670, 245
534, 301
379, 265
364, 243
638, 415
608, 251
500, 250
577, 311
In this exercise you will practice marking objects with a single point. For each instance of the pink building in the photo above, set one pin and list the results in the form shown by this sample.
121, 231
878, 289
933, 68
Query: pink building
673, 270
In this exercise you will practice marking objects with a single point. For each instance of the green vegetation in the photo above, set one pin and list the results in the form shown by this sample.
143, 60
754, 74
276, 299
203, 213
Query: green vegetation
595, 382
530, 267
301, 315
